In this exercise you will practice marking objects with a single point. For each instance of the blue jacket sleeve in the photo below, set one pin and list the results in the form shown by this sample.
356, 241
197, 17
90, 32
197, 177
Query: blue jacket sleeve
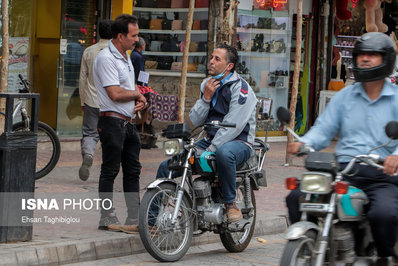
327, 124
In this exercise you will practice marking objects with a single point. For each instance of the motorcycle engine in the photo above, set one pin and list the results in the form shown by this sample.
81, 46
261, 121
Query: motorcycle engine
344, 238
210, 212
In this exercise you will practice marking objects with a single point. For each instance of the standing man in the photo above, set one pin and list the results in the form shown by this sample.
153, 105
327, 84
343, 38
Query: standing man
137, 59
89, 99
227, 98
119, 100
359, 114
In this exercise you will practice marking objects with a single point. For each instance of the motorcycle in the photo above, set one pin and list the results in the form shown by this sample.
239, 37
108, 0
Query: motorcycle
172, 212
333, 227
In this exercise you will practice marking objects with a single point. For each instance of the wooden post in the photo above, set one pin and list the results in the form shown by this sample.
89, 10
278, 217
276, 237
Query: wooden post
228, 29
296, 75
220, 21
183, 80
4, 58
211, 31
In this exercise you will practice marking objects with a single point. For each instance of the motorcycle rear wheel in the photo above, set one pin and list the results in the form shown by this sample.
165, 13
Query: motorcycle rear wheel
299, 251
238, 241
164, 241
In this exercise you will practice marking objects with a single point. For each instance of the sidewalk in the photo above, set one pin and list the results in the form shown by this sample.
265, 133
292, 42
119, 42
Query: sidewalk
62, 244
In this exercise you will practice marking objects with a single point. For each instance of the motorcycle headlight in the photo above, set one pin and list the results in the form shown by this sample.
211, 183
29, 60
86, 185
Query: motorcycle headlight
172, 147
316, 183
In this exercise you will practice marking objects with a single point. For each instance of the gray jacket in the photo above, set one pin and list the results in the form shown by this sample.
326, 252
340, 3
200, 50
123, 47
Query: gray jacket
236, 103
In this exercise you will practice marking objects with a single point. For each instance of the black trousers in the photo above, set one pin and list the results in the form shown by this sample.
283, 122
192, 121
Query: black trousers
382, 191
120, 145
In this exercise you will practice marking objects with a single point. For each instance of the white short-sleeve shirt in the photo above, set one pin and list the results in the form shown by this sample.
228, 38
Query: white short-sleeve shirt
112, 69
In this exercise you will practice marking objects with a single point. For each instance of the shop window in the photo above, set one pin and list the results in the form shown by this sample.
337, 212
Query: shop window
264, 51
162, 25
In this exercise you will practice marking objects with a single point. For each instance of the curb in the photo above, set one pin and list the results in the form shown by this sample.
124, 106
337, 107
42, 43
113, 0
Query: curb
109, 246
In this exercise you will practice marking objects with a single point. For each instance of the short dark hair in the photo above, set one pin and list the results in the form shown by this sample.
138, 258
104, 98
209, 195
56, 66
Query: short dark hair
105, 29
121, 24
232, 54
140, 42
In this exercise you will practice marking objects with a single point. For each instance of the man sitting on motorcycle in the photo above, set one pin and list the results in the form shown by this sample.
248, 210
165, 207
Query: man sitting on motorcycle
359, 114
227, 98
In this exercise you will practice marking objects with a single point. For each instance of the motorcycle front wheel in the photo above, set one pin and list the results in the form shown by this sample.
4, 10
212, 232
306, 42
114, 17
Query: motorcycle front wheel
165, 241
299, 251
238, 241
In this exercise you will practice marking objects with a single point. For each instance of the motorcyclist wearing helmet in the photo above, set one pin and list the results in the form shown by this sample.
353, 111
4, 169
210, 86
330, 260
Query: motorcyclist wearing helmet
359, 114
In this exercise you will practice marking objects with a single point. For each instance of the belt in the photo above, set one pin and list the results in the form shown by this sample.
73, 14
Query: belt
117, 115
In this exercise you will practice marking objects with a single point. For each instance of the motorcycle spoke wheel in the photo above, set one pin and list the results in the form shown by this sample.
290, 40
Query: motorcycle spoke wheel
238, 241
298, 252
163, 240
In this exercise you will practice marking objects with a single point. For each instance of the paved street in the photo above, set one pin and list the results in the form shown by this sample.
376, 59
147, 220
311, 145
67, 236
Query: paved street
257, 253
61, 243
64, 179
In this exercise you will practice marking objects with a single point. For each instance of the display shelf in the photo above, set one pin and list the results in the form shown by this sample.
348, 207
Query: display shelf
163, 30
172, 31
157, 9
347, 36
175, 53
343, 46
264, 31
345, 43
173, 73
262, 55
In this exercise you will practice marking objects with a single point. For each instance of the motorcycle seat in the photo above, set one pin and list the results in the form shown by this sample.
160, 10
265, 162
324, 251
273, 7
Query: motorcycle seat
247, 166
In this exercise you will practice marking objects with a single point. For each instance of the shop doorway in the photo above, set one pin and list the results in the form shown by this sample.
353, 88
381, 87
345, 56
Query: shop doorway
78, 24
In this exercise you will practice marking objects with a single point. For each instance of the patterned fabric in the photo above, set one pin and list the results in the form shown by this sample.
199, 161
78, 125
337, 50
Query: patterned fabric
162, 107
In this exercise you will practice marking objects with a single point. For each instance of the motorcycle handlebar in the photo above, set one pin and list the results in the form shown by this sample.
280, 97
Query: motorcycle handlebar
220, 124
370, 159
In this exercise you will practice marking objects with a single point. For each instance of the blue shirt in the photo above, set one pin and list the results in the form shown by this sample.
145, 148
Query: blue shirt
214, 98
137, 59
359, 121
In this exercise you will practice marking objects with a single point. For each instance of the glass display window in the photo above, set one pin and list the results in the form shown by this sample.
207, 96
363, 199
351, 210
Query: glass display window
264, 55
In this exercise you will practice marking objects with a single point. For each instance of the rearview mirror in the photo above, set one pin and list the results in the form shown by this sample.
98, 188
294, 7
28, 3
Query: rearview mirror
283, 115
392, 130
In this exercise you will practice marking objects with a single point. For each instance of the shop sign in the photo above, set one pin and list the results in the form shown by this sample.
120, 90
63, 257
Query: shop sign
268, 4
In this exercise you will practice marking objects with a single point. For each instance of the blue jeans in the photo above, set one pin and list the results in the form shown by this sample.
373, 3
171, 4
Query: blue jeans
228, 156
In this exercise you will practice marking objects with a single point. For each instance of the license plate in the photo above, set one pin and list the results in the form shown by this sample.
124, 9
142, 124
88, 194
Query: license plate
314, 207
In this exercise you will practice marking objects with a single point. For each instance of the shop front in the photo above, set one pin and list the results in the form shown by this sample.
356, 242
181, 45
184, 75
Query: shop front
349, 23
46, 42
20, 29
266, 42
263, 38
